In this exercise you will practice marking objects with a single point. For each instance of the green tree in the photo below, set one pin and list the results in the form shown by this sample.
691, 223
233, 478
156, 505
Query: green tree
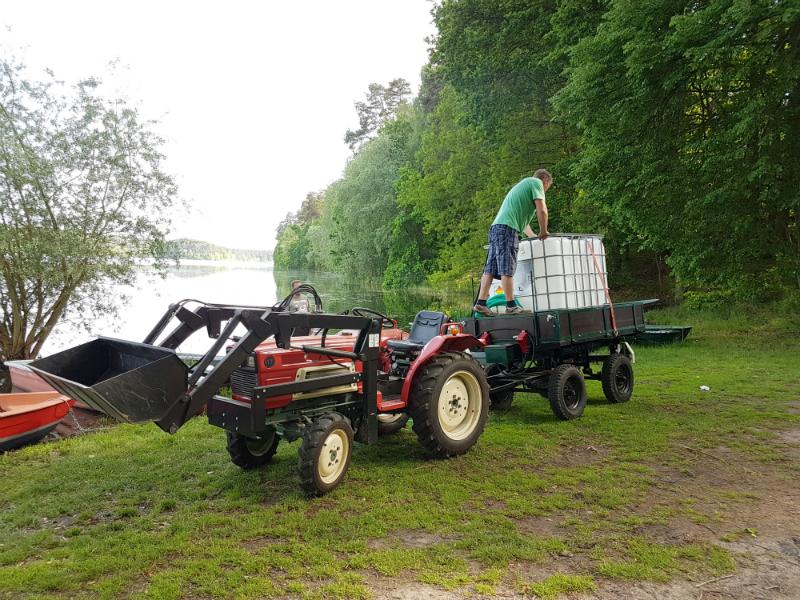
381, 106
689, 118
439, 187
294, 248
82, 198
491, 52
356, 225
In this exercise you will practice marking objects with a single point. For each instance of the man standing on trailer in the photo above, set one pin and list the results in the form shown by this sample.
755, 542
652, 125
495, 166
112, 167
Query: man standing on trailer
522, 202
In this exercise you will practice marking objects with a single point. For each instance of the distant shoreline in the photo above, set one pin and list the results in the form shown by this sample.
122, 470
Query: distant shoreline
197, 262
202, 262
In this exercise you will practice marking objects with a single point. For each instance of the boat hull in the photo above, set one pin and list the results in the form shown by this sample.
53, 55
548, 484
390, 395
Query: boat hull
28, 417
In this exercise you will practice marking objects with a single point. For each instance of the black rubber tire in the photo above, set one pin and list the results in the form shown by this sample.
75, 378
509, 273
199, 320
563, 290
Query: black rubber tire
500, 401
311, 451
248, 453
425, 398
392, 427
617, 378
567, 392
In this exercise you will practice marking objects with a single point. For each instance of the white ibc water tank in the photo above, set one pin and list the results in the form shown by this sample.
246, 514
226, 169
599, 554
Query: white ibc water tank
563, 271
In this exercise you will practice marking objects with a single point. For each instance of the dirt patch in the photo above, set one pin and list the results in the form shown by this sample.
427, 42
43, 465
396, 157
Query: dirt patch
708, 495
256, 544
790, 437
791, 446
767, 569
79, 421
794, 407
549, 526
414, 538
492, 504
575, 456
411, 591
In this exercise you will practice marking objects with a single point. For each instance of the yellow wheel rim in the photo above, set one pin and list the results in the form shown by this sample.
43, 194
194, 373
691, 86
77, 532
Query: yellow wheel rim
387, 419
333, 456
460, 403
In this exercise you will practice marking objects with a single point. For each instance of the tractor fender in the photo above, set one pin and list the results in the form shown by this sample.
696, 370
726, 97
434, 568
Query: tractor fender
438, 345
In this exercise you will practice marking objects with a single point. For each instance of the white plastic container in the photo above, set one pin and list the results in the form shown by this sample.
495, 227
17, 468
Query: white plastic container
563, 271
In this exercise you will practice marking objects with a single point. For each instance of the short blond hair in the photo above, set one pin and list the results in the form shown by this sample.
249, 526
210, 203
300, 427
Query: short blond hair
543, 174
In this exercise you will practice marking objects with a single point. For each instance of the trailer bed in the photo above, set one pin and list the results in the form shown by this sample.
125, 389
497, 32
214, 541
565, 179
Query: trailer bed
558, 328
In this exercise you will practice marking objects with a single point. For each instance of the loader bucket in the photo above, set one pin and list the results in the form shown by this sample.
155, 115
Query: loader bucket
129, 381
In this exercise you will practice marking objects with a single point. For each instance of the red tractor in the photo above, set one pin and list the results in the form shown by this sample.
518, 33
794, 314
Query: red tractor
356, 375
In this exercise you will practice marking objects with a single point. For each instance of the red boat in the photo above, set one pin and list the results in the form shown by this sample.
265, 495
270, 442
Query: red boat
28, 417
23, 379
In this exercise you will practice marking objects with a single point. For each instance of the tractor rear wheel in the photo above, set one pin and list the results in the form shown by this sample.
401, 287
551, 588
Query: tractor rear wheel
325, 453
567, 392
249, 453
389, 423
450, 403
617, 378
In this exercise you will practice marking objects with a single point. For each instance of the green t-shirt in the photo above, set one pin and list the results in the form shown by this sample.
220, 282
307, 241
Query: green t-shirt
519, 206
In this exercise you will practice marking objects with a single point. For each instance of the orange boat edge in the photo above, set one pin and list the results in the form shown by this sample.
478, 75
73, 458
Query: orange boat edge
28, 417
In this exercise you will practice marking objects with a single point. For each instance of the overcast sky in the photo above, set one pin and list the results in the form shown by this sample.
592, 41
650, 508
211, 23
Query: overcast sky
254, 98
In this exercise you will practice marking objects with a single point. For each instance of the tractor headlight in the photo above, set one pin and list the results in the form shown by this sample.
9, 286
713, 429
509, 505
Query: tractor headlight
454, 328
251, 362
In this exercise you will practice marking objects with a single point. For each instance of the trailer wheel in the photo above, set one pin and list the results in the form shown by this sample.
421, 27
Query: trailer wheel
450, 404
325, 454
249, 453
617, 378
499, 400
567, 392
389, 423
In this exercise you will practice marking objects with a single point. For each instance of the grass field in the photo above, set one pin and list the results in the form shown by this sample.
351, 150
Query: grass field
678, 485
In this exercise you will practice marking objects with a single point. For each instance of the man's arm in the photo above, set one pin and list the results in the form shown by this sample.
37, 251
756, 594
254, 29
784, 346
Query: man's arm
529, 232
541, 216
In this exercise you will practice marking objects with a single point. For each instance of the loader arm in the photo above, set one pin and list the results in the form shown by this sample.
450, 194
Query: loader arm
142, 382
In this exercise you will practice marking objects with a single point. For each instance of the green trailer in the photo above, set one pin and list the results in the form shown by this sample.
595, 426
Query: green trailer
553, 352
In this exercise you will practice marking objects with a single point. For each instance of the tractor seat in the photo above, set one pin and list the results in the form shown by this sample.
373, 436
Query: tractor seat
427, 324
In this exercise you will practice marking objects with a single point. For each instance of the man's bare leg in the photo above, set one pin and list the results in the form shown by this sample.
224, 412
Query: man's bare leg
486, 281
507, 283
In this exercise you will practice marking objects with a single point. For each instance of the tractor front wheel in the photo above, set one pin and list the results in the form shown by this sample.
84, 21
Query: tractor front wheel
567, 392
450, 403
325, 454
391, 423
249, 453
617, 378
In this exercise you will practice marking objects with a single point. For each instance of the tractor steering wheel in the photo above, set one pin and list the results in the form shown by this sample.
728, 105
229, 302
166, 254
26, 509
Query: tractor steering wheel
386, 322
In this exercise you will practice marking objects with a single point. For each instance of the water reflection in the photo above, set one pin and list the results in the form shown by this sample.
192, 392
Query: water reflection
250, 284
338, 294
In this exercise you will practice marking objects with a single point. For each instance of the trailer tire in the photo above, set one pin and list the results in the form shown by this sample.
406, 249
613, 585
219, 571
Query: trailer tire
567, 392
500, 401
617, 378
249, 453
389, 424
450, 426
325, 453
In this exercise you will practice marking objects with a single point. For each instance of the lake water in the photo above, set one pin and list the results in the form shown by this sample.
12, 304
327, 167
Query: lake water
143, 303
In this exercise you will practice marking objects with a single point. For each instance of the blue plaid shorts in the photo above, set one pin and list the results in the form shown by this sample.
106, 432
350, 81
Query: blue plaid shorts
503, 246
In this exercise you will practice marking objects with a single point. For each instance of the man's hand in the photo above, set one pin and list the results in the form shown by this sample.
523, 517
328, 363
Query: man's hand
544, 235
529, 232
